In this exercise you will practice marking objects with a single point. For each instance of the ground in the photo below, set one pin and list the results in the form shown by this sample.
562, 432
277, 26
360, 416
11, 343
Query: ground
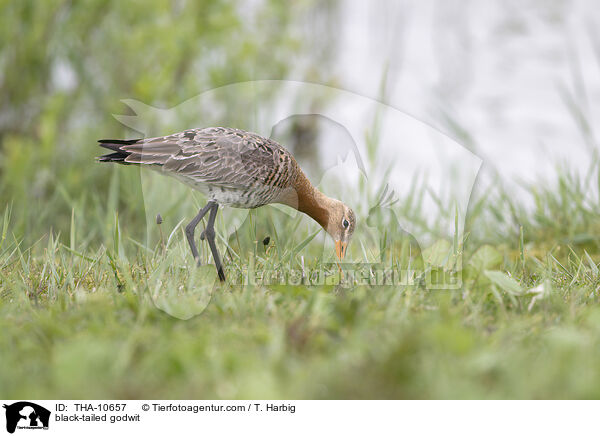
91, 323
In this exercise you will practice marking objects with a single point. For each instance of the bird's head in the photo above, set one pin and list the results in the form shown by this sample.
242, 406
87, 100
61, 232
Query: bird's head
340, 226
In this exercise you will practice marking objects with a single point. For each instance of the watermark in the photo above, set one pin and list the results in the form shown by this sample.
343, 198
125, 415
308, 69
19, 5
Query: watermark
408, 184
25, 415
348, 277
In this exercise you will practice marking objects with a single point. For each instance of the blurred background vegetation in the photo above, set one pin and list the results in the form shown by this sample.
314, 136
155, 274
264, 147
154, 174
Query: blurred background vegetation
66, 65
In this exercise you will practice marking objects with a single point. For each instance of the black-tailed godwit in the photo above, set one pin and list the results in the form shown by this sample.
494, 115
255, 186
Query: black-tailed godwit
234, 168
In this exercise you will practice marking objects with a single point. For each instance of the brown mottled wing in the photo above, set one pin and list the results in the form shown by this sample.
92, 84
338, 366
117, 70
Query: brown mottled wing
217, 156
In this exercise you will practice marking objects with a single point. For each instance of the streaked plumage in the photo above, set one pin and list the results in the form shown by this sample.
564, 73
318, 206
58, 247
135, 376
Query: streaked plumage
235, 168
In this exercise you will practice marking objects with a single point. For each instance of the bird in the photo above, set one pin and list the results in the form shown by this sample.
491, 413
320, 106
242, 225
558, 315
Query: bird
235, 168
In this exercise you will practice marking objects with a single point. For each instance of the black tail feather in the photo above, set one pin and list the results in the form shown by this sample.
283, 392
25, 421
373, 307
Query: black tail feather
118, 141
113, 157
115, 145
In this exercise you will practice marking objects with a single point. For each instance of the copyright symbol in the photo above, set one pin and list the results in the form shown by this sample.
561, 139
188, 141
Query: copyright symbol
145, 407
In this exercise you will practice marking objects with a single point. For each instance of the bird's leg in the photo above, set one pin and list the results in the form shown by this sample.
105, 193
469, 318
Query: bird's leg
191, 227
209, 234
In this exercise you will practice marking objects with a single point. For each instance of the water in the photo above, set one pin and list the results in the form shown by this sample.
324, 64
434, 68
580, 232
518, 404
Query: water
502, 70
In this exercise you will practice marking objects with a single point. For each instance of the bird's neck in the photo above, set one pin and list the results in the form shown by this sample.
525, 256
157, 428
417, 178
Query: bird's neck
311, 201
315, 204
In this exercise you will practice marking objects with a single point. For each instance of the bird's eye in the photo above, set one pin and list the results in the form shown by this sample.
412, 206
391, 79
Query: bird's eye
345, 223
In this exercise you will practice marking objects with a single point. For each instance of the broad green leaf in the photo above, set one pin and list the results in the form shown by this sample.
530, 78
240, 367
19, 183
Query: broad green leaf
485, 257
593, 265
438, 253
504, 282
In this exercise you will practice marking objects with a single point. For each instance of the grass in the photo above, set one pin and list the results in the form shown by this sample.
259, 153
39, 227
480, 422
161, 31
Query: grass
98, 301
88, 313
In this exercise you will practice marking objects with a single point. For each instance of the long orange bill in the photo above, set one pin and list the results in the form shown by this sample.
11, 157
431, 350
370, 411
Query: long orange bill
340, 249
